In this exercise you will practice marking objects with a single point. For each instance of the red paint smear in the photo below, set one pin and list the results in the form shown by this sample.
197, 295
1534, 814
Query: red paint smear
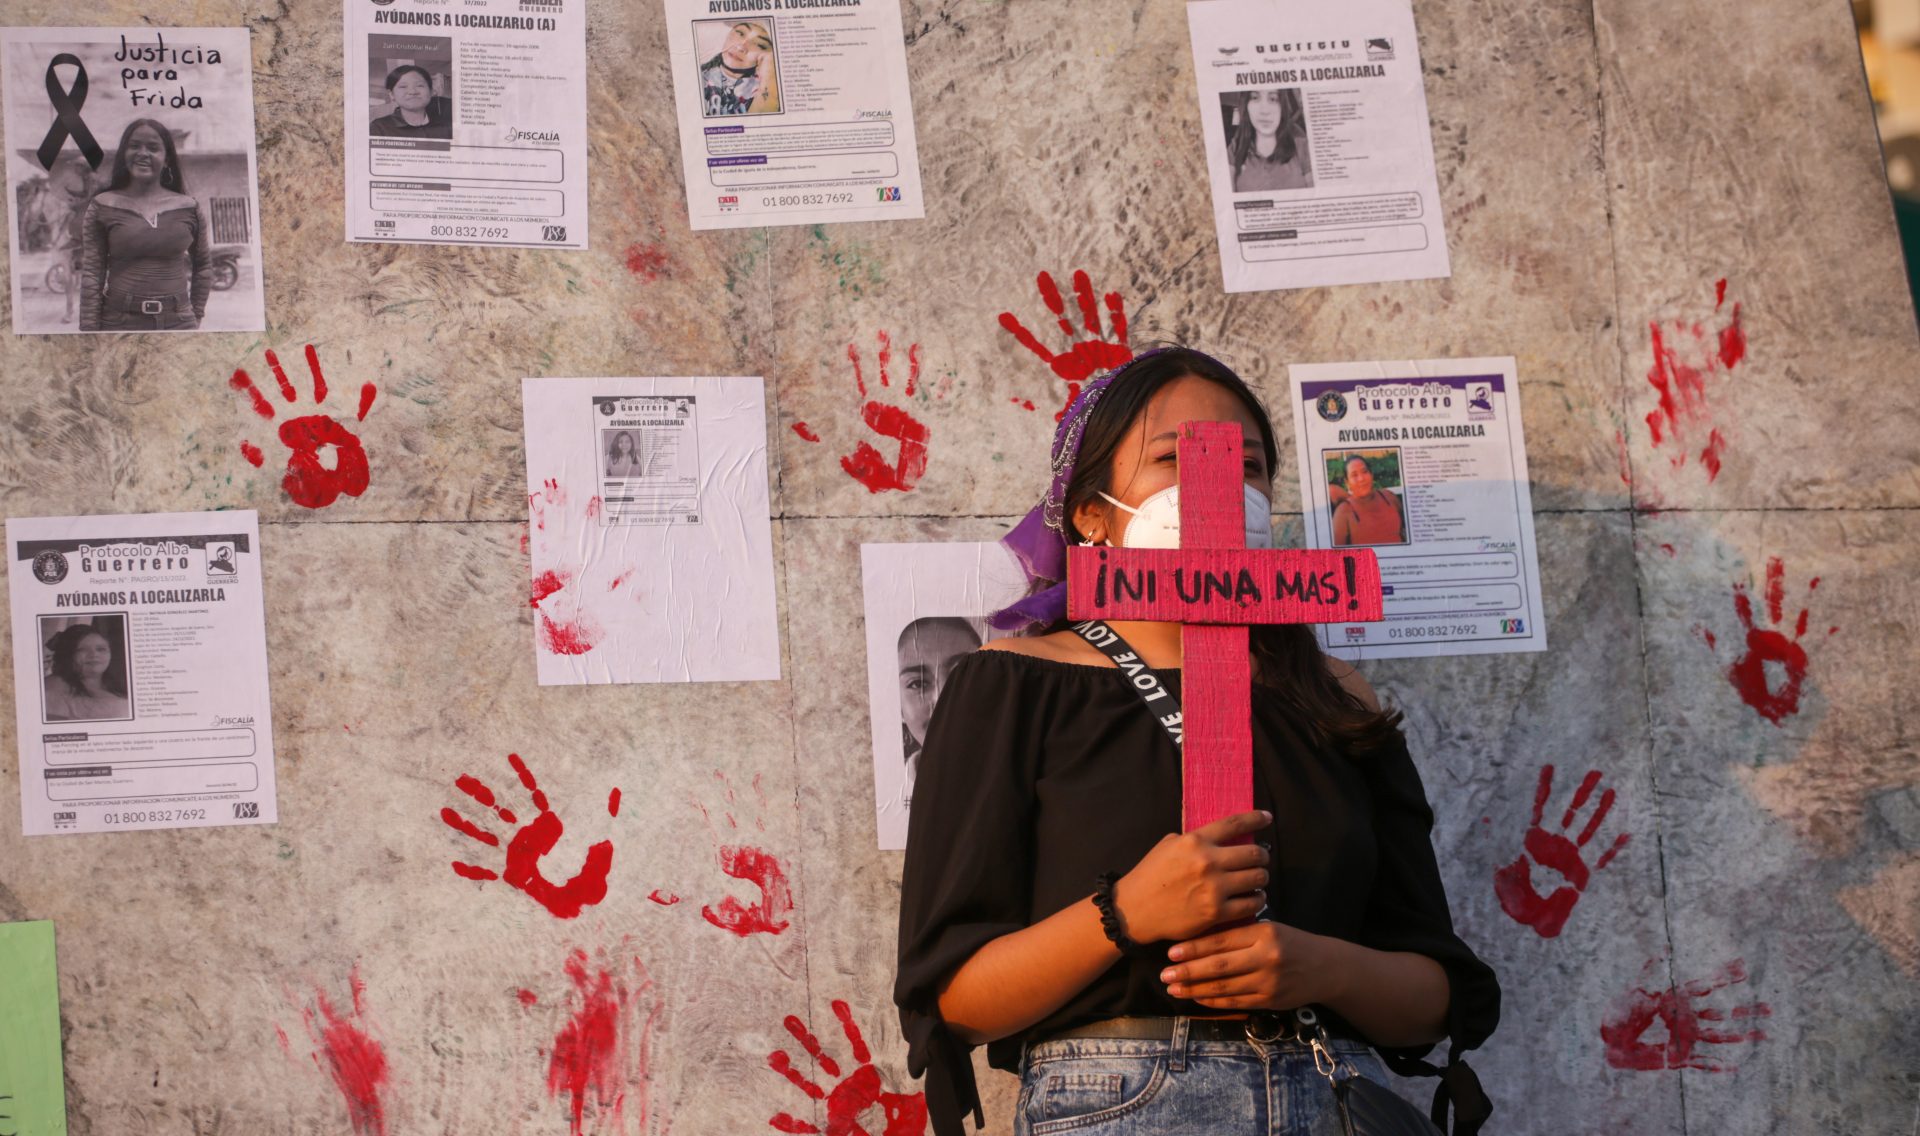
527, 997
466, 827
591, 1052
664, 899
744, 862
1733, 342
280, 377
1687, 1025
319, 379
472, 872
527, 781
1710, 457
547, 583
243, 382
859, 379
1554, 851
886, 356
802, 429
1626, 470
852, 1097
621, 579
1719, 293
568, 637
613, 803
1023, 403
866, 465
913, 369
253, 455
647, 261
311, 484
367, 393
356, 1062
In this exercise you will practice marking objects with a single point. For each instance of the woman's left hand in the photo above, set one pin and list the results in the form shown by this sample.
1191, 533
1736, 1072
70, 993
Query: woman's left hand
1261, 966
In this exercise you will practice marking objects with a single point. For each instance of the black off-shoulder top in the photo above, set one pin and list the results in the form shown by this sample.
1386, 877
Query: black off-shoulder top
1039, 775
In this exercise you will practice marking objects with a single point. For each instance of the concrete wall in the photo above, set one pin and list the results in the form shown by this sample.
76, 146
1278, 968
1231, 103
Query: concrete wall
1603, 167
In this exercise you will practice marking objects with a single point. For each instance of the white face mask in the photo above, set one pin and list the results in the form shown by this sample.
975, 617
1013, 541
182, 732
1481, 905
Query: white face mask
1156, 521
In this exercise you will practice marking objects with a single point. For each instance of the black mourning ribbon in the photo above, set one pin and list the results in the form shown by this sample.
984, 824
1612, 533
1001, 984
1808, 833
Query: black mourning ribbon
66, 104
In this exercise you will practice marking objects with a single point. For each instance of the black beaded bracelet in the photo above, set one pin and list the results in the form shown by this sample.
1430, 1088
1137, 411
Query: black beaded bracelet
1110, 917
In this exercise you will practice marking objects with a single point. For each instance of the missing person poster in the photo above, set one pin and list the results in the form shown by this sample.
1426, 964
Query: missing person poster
926, 609
1424, 462
131, 195
649, 530
1314, 119
467, 125
793, 112
140, 672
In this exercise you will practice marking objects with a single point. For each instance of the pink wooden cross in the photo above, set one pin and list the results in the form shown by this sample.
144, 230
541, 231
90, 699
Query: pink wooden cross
1215, 586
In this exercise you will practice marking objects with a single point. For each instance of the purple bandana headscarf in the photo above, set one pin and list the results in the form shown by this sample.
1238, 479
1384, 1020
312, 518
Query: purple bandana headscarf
1039, 541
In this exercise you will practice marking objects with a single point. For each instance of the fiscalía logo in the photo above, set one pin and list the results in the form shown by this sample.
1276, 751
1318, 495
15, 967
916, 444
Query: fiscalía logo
50, 567
1332, 406
1379, 47
515, 134
1479, 402
220, 562
1513, 627
889, 192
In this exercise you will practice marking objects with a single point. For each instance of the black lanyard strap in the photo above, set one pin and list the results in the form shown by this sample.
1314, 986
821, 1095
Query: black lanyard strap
1160, 702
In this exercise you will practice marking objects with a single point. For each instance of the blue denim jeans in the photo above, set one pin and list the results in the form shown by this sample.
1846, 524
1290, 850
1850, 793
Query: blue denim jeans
1112, 1087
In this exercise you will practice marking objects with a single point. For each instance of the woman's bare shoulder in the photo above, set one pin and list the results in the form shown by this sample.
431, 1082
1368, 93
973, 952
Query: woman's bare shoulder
1060, 647
1354, 682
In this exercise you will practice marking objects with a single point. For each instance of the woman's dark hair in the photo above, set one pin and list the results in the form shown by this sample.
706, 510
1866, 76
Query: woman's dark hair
393, 76
1347, 466
1292, 120
170, 175
65, 644
1287, 658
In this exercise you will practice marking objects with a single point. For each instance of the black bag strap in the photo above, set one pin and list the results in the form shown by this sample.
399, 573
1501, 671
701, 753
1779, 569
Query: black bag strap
1162, 703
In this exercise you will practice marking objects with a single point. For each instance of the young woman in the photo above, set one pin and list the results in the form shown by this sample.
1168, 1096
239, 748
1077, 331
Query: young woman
1269, 145
146, 259
86, 680
417, 113
1366, 514
1044, 776
740, 78
623, 457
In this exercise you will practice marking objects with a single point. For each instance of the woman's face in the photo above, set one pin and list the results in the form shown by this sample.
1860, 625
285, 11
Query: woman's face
744, 49
92, 655
411, 92
1263, 111
146, 154
927, 657
1359, 478
1146, 463
623, 445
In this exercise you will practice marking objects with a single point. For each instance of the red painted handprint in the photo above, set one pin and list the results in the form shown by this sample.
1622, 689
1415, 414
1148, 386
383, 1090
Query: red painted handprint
309, 480
1685, 355
598, 1054
565, 625
1749, 673
854, 1095
1547, 914
866, 464
534, 840
1085, 356
756, 866
345, 1050
1685, 1021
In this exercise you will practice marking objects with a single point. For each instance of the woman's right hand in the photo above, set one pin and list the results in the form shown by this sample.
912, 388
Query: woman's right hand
1195, 880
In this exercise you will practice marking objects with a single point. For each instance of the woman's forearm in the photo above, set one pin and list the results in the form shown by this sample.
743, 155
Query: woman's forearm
1396, 998
1022, 976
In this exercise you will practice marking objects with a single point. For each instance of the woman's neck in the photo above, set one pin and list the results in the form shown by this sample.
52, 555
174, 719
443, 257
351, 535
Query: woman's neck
1157, 643
91, 688
415, 117
1265, 144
